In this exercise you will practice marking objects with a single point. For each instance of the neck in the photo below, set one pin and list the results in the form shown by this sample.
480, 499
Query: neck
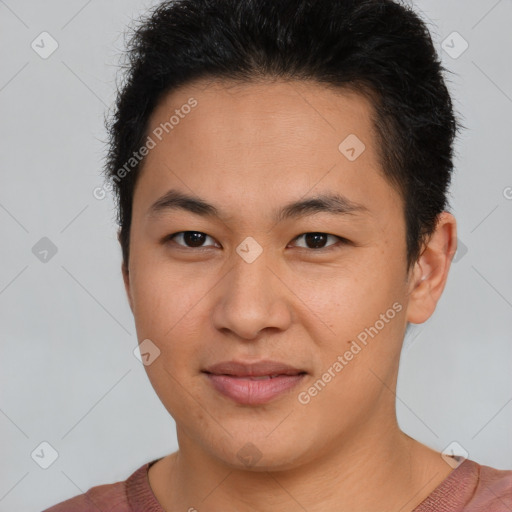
380, 470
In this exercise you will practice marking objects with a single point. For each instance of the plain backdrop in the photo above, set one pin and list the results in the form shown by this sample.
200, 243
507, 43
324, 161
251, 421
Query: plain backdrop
69, 376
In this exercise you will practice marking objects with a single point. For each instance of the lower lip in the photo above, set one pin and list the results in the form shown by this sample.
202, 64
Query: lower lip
253, 392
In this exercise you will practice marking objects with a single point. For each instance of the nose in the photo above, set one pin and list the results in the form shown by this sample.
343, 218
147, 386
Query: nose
252, 297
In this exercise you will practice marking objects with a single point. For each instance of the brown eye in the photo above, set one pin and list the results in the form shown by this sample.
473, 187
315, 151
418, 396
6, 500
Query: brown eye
190, 239
317, 240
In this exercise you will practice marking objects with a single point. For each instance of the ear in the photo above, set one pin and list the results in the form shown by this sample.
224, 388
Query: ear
126, 279
430, 273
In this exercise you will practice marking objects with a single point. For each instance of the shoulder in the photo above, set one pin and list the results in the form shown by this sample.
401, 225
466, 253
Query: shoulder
494, 490
112, 497
471, 487
102, 497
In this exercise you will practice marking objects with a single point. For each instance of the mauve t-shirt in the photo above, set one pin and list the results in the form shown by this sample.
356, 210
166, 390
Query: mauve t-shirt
470, 487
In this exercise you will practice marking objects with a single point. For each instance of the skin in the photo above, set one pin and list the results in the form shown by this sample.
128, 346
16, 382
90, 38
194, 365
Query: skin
250, 149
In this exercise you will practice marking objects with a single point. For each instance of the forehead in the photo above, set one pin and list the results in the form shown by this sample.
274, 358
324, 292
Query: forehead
255, 142
266, 109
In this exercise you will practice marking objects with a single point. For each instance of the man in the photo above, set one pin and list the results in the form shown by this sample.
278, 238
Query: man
281, 170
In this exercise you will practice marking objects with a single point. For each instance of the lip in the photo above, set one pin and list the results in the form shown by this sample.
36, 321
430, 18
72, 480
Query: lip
253, 369
238, 381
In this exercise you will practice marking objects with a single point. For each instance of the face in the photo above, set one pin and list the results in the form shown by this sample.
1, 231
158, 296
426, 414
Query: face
320, 286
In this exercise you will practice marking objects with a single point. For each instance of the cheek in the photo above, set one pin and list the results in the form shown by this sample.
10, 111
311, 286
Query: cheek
172, 310
168, 312
163, 294
363, 306
350, 298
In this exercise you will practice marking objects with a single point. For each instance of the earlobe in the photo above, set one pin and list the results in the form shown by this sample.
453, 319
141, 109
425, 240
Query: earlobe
430, 272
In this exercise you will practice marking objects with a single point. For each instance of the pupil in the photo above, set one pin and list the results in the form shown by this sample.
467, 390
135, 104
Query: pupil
315, 239
193, 238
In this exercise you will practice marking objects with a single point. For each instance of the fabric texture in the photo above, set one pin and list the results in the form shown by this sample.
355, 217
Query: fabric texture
470, 487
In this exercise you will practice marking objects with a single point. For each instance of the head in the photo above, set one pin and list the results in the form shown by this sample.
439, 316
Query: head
307, 150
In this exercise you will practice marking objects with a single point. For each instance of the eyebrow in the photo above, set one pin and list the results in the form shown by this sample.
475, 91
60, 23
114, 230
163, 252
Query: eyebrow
331, 203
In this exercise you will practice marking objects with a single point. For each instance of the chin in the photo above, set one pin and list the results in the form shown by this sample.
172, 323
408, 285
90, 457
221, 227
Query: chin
259, 454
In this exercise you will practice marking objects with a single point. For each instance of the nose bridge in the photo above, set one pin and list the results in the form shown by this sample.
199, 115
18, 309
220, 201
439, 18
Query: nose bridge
251, 298
251, 276
250, 270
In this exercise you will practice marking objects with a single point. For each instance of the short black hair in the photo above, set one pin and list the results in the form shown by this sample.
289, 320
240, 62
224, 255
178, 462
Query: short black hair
379, 48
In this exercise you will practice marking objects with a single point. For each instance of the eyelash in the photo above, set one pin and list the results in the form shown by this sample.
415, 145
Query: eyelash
342, 241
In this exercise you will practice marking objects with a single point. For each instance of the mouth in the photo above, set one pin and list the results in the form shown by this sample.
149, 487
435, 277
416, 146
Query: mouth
253, 383
264, 368
248, 377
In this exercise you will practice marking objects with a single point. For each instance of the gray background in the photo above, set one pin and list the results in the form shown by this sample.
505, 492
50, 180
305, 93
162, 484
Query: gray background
68, 373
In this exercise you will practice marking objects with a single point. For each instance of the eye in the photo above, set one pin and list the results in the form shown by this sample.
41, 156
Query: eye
195, 240
191, 239
318, 240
